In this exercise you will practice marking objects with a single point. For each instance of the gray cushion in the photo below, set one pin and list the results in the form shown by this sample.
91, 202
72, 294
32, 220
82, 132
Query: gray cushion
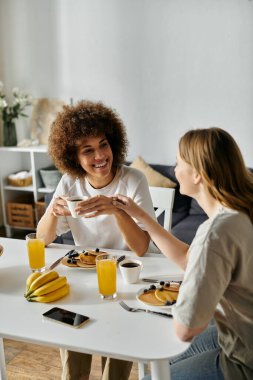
195, 208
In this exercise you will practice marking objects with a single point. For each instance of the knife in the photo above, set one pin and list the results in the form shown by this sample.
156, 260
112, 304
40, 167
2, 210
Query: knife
57, 262
153, 280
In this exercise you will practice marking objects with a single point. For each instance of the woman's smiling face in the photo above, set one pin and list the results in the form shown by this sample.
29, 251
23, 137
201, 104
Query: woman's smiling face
95, 156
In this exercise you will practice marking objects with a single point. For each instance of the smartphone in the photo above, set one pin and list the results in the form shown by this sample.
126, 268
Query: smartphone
66, 317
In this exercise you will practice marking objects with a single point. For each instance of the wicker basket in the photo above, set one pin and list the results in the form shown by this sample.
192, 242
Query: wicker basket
19, 182
20, 214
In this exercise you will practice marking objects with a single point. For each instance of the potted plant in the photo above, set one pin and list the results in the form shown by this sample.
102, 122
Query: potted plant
10, 112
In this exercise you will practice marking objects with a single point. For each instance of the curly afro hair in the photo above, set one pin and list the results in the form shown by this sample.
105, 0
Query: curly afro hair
86, 119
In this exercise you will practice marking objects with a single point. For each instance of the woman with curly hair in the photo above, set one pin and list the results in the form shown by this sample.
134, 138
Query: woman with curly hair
88, 143
218, 264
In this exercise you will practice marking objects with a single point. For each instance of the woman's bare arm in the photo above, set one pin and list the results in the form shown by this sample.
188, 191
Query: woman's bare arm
136, 239
47, 225
171, 247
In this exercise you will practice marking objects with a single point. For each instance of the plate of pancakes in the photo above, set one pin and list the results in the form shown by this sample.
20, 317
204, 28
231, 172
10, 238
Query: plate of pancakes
163, 295
86, 259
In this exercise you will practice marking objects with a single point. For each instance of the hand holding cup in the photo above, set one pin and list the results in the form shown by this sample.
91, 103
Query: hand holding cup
72, 203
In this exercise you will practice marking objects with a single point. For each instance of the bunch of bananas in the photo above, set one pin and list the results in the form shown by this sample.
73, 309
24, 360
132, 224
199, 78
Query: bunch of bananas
46, 287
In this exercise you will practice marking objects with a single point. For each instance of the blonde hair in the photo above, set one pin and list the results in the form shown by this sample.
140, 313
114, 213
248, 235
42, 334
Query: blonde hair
217, 158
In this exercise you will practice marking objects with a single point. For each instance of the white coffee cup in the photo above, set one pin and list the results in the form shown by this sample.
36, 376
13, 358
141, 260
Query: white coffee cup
72, 204
130, 270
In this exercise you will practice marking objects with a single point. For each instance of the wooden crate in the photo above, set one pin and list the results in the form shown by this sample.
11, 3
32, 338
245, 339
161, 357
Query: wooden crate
40, 208
20, 214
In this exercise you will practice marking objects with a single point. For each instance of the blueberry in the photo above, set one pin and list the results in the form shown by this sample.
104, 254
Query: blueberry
97, 249
73, 261
167, 284
69, 261
174, 302
152, 287
75, 254
145, 290
160, 288
70, 253
162, 282
168, 303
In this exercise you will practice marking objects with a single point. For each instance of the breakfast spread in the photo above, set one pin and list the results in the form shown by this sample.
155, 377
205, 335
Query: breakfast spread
164, 295
85, 259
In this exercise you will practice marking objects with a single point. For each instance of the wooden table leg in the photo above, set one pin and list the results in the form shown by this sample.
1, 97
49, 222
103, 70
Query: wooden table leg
3, 374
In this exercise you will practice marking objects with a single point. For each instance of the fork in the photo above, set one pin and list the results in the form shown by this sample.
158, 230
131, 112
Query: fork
134, 309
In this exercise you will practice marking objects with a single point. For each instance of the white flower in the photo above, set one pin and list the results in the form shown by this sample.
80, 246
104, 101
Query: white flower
3, 103
15, 91
11, 111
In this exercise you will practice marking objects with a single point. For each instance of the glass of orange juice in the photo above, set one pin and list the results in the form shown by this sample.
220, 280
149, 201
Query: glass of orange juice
36, 252
106, 265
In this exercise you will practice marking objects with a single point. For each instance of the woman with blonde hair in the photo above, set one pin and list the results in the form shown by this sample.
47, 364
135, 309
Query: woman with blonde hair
218, 264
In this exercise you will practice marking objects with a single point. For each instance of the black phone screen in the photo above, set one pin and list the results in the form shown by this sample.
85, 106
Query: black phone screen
65, 316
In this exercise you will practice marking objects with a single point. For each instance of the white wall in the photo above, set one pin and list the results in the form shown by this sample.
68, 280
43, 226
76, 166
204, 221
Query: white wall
164, 65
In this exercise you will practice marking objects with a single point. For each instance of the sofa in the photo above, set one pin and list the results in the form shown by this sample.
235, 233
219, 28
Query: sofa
187, 215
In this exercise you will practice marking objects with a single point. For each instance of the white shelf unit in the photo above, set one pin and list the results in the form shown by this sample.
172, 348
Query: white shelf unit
15, 159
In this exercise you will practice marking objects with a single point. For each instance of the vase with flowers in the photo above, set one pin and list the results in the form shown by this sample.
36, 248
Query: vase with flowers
10, 112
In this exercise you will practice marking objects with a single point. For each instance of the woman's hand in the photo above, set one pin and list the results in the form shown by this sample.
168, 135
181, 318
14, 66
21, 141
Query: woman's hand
128, 205
60, 207
94, 206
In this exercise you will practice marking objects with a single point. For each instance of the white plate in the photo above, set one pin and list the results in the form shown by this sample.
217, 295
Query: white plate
166, 278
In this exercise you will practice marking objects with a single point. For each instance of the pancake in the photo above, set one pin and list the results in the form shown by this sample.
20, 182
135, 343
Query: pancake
88, 257
150, 299
65, 262
85, 259
160, 296
165, 295
174, 286
96, 253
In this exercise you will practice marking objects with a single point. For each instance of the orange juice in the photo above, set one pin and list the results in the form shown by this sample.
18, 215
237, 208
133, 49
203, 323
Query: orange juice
106, 272
36, 253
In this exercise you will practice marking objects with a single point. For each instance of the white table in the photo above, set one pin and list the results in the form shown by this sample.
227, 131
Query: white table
111, 332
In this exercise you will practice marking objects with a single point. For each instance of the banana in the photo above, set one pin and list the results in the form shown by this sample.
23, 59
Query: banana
30, 279
41, 280
49, 287
52, 296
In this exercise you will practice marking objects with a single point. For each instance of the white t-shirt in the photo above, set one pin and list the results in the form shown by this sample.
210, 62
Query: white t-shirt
219, 271
103, 231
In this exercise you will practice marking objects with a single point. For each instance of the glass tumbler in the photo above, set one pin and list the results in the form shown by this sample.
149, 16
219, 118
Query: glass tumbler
36, 252
106, 265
